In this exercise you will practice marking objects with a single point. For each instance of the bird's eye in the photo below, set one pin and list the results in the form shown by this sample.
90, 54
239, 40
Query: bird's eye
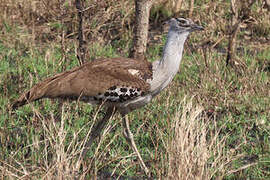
182, 21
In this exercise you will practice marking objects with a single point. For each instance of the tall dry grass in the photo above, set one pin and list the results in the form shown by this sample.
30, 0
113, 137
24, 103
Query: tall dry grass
197, 149
57, 154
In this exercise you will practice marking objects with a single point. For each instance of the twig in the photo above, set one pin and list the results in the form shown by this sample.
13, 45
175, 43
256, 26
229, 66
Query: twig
81, 49
235, 24
242, 168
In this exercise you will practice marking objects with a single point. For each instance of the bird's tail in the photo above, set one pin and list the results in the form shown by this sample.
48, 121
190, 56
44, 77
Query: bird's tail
23, 99
33, 94
41, 90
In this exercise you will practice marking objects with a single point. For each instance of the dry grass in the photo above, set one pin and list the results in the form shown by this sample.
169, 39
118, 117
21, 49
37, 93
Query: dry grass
46, 20
197, 150
58, 155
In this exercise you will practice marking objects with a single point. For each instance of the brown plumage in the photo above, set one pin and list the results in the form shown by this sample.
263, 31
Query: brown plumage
91, 80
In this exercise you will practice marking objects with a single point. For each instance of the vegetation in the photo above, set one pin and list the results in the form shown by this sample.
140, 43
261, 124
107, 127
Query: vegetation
212, 122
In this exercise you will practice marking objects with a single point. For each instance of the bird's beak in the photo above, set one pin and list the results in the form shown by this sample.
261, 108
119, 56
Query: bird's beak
196, 27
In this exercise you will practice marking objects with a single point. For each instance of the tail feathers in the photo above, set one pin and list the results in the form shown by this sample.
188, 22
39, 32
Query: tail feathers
26, 98
21, 101
49, 88
37, 92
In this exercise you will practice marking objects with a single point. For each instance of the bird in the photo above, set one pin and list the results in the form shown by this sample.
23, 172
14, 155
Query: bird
120, 84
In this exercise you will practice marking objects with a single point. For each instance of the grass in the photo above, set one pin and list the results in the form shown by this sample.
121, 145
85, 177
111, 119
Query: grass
197, 151
227, 118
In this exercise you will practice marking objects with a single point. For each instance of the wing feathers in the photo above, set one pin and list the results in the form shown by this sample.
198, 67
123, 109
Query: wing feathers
91, 79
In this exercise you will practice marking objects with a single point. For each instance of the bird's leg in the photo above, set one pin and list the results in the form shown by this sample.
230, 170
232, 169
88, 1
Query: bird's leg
97, 129
129, 138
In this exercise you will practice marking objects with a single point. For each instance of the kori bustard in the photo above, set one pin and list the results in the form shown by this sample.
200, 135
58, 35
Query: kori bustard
121, 84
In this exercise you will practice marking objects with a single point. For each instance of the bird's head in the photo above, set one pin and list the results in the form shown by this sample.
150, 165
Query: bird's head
184, 25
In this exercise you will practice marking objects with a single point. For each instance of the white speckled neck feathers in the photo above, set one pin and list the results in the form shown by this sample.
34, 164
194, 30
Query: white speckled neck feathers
166, 68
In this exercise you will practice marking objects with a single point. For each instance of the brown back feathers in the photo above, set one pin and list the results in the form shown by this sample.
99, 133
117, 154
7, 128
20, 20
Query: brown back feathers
93, 79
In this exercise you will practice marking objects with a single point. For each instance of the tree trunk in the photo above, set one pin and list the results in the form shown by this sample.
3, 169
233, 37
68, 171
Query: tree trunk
178, 5
142, 13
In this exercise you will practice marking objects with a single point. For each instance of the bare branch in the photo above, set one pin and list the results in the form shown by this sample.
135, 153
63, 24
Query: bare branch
240, 11
81, 48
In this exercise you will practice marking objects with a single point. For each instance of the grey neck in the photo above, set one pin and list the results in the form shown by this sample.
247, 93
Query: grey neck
166, 68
